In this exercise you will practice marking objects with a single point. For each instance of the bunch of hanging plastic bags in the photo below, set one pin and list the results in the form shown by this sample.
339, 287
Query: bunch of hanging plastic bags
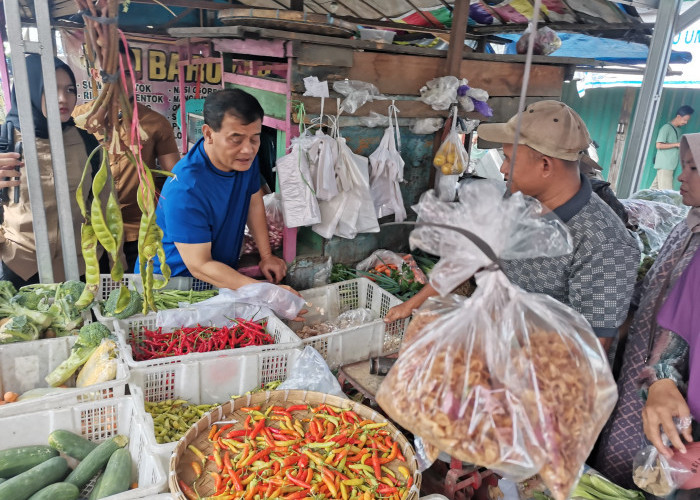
513, 381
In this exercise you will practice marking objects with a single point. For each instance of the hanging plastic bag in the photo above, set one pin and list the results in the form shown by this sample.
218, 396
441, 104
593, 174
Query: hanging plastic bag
427, 125
323, 156
275, 225
387, 172
399, 260
656, 474
298, 196
352, 210
451, 158
310, 372
508, 380
374, 120
357, 94
441, 93
546, 42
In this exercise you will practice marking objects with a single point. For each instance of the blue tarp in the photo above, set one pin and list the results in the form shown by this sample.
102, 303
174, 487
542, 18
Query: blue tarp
602, 49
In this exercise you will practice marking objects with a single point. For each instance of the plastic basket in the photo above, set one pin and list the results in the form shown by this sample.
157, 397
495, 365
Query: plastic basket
206, 381
357, 343
96, 421
23, 366
132, 328
133, 281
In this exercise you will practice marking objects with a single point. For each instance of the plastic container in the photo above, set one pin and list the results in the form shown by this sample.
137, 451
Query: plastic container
96, 421
132, 329
358, 343
23, 366
379, 36
133, 281
205, 381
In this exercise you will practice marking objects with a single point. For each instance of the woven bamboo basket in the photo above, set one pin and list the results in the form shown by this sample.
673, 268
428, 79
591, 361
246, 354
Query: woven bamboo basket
198, 434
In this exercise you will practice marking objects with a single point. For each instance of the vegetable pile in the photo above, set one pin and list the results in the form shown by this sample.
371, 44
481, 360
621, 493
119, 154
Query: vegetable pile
39, 473
333, 454
156, 344
90, 341
173, 417
401, 283
41, 310
595, 487
163, 299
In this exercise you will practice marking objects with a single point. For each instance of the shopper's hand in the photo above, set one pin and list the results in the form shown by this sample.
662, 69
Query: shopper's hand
665, 402
8, 162
300, 316
273, 268
401, 311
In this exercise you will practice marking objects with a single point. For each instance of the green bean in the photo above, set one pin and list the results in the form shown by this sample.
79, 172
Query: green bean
123, 299
92, 267
104, 235
115, 222
79, 192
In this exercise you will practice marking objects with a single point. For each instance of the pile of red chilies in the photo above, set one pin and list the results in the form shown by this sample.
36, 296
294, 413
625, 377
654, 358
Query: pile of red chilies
335, 454
156, 344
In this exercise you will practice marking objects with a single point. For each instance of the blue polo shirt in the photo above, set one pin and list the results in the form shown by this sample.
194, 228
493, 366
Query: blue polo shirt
203, 204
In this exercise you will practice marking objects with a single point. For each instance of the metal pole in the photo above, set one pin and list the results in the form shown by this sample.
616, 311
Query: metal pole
31, 161
649, 97
4, 75
58, 155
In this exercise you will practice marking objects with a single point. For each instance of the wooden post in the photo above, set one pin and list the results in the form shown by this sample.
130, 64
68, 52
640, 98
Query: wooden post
460, 16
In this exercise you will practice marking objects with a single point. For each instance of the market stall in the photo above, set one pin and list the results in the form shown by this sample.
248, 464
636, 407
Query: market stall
138, 385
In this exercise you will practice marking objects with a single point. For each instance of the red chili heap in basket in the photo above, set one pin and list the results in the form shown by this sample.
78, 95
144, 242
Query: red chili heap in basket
158, 344
334, 454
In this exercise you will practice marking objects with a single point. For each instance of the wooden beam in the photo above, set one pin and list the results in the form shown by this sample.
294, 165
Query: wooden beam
194, 4
457, 35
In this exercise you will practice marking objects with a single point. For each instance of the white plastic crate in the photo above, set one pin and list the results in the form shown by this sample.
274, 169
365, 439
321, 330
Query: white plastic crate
133, 281
206, 381
132, 328
96, 421
357, 343
23, 366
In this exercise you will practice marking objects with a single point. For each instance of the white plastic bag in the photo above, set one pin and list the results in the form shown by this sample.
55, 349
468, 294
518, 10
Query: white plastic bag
323, 156
440, 93
275, 225
380, 257
299, 204
427, 125
374, 120
357, 94
352, 210
387, 172
246, 300
310, 372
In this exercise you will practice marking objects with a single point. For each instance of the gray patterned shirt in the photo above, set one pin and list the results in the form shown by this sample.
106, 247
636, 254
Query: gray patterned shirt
597, 279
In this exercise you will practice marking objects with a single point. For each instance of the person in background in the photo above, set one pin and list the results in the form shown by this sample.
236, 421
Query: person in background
667, 153
598, 278
662, 355
216, 191
17, 243
158, 151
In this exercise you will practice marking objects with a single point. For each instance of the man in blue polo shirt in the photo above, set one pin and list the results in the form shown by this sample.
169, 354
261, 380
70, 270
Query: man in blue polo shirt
597, 279
204, 209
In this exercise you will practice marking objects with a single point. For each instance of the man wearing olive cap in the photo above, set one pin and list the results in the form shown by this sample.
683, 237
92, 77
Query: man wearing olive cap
598, 277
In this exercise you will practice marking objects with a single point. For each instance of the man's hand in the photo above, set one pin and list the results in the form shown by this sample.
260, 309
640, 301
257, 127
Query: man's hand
273, 268
665, 402
401, 311
8, 162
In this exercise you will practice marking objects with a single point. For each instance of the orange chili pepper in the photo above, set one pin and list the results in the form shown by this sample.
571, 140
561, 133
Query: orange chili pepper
197, 468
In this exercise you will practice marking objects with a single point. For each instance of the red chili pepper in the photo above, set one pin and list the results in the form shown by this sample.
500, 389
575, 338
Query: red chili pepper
237, 485
297, 408
375, 462
298, 482
258, 427
189, 492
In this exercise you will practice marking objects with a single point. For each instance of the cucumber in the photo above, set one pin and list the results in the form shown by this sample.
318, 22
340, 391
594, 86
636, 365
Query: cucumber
17, 460
96, 488
95, 461
26, 484
57, 491
71, 444
117, 475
